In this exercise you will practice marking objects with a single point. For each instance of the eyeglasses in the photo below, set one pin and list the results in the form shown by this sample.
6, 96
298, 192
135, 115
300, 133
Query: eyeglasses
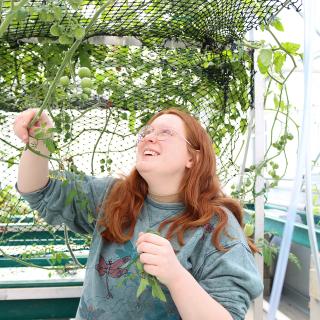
161, 134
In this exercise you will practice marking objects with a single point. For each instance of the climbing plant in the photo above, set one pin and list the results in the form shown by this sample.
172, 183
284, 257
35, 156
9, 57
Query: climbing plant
62, 57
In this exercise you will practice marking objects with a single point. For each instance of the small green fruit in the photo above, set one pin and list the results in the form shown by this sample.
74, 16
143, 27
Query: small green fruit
87, 91
86, 83
65, 40
54, 30
75, 4
84, 72
79, 33
249, 229
64, 81
84, 96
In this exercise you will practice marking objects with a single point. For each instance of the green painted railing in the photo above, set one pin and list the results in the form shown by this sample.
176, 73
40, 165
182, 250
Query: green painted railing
276, 225
38, 309
14, 238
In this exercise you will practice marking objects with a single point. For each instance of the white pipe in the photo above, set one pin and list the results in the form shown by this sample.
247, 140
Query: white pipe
39, 293
244, 161
259, 153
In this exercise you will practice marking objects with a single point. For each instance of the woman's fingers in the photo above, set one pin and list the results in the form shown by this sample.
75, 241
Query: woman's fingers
20, 127
151, 237
148, 258
21, 123
149, 248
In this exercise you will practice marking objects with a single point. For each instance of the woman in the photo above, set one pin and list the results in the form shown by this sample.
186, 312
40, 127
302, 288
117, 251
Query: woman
201, 255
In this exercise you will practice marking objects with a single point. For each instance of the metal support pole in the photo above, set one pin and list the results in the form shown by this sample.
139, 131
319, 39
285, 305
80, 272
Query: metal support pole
259, 152
288, 231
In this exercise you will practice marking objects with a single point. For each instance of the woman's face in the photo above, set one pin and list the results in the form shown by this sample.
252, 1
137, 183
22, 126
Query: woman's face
168, 157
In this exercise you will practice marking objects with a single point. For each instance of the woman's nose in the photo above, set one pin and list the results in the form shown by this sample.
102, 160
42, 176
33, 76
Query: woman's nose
151, 137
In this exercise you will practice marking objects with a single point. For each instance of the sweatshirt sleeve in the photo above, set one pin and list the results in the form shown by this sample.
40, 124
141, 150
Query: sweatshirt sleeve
231, 278
70, 199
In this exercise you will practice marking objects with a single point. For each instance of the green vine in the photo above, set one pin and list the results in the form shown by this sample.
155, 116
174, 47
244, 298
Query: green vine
130, 84
271, 61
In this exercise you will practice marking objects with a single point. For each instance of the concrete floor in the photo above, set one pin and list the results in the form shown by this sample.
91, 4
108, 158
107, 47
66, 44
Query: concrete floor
287, 311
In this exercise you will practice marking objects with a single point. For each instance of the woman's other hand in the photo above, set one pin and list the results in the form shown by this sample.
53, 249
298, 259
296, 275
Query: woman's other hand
158, 258
21, 122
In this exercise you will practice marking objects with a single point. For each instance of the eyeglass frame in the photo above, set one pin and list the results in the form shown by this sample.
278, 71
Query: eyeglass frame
155, 132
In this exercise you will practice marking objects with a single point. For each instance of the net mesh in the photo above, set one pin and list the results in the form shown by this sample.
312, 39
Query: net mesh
172, 53
210, 23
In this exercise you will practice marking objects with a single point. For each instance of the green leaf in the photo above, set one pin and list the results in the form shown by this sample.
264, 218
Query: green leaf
278, 61
123, 116
70, 196
21, 14
153, 231
91, 217
139, 266
276, 23
290, 47
279, 103
132, 121
84, 57
49, 143
75, 4
264, 60
83, 203
11, 162
267, 258
144, 283
156, 289
58, 13
294, 259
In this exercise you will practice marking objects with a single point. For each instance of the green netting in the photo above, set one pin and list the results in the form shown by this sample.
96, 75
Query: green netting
210, 23
98, 131
204, 70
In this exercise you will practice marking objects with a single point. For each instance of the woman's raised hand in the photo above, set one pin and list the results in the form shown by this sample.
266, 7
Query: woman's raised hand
21, 122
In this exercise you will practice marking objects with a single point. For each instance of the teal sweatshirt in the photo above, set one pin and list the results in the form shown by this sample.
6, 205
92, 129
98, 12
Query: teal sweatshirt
111, 282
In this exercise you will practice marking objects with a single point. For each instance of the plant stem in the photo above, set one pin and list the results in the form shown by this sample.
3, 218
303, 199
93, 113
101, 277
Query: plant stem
281, 47
108, 114
9, 144
5, 24
73, 257
65, 61
40, 154
284, 115
27, 264
1, 2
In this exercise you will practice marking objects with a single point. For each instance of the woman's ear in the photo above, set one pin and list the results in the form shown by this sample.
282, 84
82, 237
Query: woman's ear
190, 160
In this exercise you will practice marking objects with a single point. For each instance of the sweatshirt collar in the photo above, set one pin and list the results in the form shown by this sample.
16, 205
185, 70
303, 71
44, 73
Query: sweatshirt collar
159, 211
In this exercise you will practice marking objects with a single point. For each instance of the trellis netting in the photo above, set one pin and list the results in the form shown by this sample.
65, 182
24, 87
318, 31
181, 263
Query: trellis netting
137, 58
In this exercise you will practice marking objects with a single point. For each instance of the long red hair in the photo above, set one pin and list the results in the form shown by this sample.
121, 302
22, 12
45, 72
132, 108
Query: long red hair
200, 191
